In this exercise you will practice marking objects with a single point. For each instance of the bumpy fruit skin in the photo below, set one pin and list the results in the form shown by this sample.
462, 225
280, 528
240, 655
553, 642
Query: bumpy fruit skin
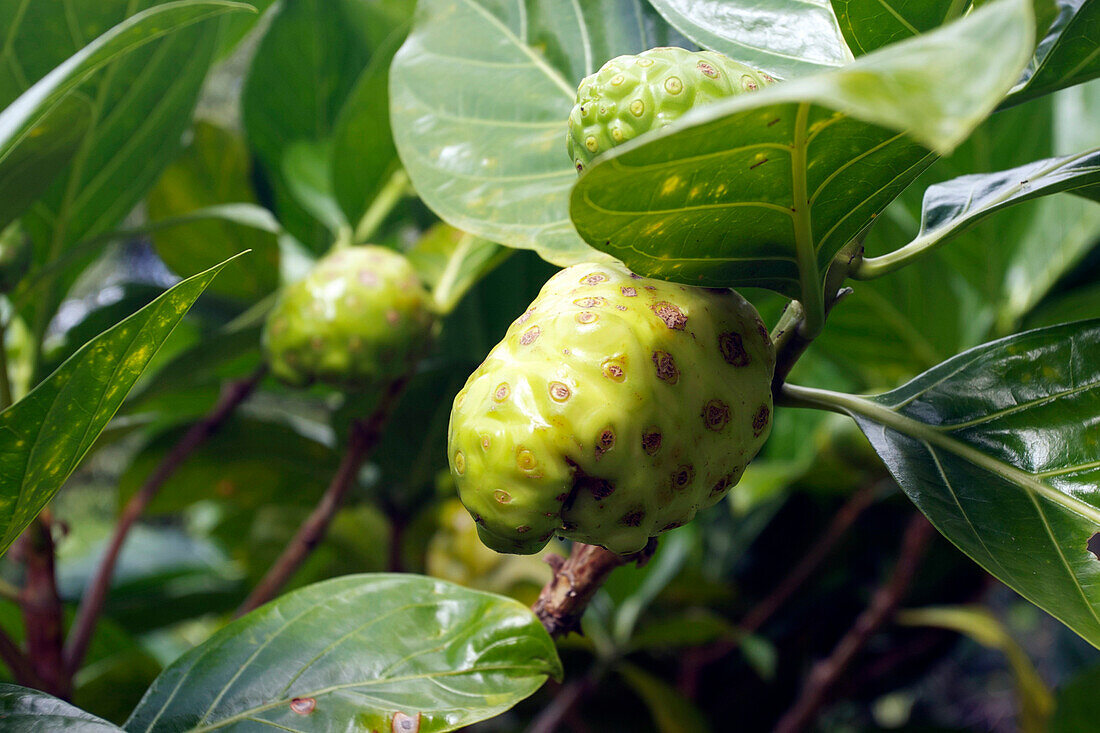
15, 257
614, 409
358, 319
631, 95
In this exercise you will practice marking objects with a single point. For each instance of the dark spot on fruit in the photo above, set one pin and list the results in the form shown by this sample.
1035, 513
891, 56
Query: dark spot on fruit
368, 278
666, 367
561, 497
715, 415
502, 496
620, 307
707, 70
651, 441
586, 317
672, 525
636, 277
523, 318
593, 302
1094, 545
525, 528
460, 463
614, 369
760, 420
530, 335
593, 278
673, 317
525, 459
632, 518
568, 526
605, 442
501, 392
559, 392
763, 330
722, 485
683, 476
628, 291
303, 705
477, 518
733, 349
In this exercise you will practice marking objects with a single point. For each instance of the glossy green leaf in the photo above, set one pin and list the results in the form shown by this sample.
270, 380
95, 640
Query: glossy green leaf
364, 156
479, 98
451, 262
999, 448
871, 24
213, 169
30, 711
764, 189
305, 67
788, 38
953, 206
29, 168
1068, 54
354, 652
44, 436
978, 623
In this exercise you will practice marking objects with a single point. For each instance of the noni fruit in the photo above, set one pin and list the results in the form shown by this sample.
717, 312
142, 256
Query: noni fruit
614, 409
631, 95
358, 319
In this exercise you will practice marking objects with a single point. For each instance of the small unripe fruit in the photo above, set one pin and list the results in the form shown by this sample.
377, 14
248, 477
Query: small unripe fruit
631, 95
360, 318
614, 409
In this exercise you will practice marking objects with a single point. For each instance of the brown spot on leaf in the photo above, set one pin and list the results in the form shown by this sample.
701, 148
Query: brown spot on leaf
733, 349
673, 317
715, 415
666, 367
405, 724
303, 705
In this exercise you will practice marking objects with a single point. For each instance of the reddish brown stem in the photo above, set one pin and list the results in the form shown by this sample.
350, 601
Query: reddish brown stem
91, 605
363, 437
564, 599
698, 658
42, 609
884, 604
18, 663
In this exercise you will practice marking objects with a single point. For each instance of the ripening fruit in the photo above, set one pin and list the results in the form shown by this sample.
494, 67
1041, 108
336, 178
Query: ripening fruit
358, 319
631, 95
614, 409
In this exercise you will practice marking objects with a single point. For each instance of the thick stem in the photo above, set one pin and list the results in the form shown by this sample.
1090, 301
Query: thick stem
42, 609
361, 441
563, 600
884, 604
91, 604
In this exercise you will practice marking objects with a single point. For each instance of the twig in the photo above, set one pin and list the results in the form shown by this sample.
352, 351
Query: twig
42, 610
698, 658
564, 599
18, 663
884, 604
564, 701
91, 605
361, 441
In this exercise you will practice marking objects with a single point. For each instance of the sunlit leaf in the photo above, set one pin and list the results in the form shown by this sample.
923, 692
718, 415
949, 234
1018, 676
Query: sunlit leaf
44, 436
355, 652
1068, 54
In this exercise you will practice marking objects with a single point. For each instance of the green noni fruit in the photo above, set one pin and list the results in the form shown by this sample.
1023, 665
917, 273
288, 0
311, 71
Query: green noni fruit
358, 319
631, 95
614, 409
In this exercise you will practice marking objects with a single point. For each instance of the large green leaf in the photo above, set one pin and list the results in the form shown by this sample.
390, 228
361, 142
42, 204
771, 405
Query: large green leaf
766, 188
1068, 54
213, 169
999, 447
355, 652
871, 24
953, 206
479, 97
31, 711
788, 38
45, 435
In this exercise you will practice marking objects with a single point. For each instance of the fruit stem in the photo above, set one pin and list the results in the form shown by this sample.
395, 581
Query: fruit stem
563, 600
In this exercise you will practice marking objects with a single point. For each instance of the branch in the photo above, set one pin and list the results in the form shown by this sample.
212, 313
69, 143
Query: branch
18, 663
42, 610
91, 604
884, 604
563, 600
364, 436
564, 701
